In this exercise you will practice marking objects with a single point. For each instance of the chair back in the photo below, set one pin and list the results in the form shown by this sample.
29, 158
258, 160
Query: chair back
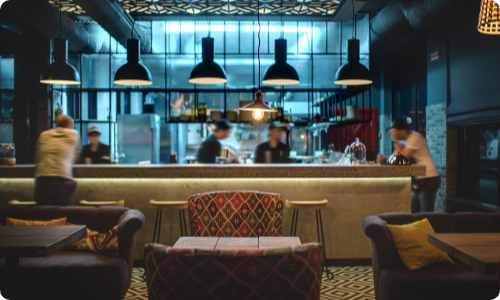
236, 214
287, 273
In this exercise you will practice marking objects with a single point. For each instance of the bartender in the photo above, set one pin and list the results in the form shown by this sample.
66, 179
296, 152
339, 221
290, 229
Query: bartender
211, 148
95, 152
273, 151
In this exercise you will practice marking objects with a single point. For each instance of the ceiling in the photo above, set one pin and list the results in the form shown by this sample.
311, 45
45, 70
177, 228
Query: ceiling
223, 7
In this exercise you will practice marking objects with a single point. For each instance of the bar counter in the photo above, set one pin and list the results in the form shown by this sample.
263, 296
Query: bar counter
353, 192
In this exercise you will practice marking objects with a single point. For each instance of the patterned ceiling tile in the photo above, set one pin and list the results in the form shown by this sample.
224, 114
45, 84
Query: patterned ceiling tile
222, 7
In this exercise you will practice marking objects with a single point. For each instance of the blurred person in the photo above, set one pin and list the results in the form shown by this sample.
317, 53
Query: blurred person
56, 152
424, 188
95, 152
273, 151
211, 148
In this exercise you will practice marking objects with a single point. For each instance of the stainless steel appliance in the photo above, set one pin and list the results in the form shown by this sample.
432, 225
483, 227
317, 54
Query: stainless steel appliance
139, 138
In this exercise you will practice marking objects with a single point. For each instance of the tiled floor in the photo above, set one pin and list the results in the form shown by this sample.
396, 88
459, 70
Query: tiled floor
351, 283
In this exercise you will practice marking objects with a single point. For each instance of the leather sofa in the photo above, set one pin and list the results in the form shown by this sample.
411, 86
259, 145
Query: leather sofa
79, 275
393, 281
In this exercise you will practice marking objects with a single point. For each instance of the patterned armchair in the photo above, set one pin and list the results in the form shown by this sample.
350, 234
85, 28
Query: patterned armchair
236, 214
289, 273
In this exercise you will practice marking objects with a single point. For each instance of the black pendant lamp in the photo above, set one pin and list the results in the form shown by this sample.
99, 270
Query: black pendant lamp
60, 71
280, 73
133, 72
207, 71
257, 107
353, 73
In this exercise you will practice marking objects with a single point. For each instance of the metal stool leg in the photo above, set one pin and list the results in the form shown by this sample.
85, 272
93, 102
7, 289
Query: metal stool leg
156, 224
293, 222
329, 273
181, 223
159, 227
296, 222
184, 221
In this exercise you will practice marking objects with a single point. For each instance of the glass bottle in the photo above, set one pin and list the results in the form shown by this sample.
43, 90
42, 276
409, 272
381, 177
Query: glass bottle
193, 113
357, 152
57, 113
202, 112
274, 114
279, 114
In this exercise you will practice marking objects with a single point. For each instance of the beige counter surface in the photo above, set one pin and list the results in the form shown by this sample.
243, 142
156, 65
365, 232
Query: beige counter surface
225, 171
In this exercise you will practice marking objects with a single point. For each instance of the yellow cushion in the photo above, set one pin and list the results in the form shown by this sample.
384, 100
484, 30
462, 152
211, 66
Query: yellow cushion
411, 241
17, 222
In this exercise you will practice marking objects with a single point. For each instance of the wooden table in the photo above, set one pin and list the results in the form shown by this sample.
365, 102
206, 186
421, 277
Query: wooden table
251, 243
478, 250
32, 241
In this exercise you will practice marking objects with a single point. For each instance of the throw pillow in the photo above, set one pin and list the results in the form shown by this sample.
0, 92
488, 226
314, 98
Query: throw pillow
94, 241
18, 222
412, 244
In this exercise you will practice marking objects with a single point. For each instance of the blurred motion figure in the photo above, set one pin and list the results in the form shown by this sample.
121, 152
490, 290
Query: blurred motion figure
95, 152
56, 152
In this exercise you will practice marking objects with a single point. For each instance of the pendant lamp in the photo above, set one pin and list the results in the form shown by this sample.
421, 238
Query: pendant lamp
489, 18
353, 72
280, 73
60, 71
257, 107
133, 72
207, 71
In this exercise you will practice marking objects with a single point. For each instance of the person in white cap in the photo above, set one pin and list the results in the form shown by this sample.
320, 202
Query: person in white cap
95, 152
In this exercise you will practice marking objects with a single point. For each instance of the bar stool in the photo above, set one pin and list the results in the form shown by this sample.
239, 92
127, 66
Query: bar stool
16, 202
310, 205
160, 206
120, 203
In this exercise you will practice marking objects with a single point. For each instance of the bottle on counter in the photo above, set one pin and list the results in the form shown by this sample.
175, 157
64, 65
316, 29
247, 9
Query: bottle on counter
202, 112
57, 113
193, 113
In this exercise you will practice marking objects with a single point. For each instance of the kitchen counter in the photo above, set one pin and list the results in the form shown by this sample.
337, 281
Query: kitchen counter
225, 171
353, 193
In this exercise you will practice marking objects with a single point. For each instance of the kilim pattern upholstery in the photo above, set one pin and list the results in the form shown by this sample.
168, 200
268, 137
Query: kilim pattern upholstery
236, 214
179, 273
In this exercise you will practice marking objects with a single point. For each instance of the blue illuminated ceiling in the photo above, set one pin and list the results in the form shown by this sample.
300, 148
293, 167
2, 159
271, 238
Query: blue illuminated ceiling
224, 7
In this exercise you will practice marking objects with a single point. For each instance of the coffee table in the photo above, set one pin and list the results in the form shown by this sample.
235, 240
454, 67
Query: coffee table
250, 243
32, 241
480, 251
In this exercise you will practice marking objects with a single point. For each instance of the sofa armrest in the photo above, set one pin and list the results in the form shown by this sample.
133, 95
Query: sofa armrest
129, 223
375, 228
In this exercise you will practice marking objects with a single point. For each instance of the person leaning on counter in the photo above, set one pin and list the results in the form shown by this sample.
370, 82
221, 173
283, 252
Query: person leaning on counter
273, 151
95, 152
211, 148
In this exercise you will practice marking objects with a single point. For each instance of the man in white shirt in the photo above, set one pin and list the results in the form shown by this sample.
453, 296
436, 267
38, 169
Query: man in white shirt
56, 152
424, 188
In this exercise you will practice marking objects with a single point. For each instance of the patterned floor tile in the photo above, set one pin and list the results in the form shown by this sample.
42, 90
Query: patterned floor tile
350, 283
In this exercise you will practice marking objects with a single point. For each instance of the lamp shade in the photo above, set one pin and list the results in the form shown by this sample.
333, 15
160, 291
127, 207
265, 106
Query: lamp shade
353, 72
280, 73
60, 71
257, 104
207, 71
133, 72
489, 18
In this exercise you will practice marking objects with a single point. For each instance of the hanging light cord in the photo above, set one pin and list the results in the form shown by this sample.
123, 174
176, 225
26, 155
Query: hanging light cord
282, 25
133, 25
353, 21
208, 23
60, 19
258, 48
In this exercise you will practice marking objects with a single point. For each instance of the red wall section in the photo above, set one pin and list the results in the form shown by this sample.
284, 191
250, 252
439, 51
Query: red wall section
366, 132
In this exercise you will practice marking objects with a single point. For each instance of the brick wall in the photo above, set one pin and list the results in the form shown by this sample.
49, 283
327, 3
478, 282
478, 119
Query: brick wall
437, 139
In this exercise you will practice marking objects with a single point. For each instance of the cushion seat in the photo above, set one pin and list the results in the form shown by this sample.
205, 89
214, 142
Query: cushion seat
63, 273
439, 281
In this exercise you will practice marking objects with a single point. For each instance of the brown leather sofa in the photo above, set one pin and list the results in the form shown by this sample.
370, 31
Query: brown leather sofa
79, 275
393, 281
